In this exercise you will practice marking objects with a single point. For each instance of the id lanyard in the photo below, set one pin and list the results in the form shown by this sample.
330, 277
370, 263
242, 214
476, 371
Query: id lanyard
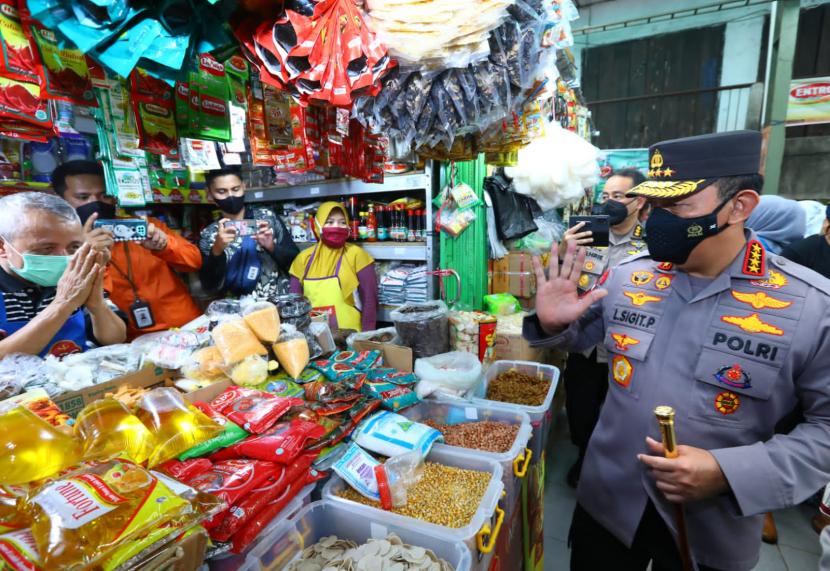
140, 310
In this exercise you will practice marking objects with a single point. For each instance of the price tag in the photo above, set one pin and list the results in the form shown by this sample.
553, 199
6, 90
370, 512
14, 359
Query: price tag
314, 190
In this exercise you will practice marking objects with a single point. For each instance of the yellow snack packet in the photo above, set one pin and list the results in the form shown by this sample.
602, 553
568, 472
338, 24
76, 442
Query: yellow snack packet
236, 341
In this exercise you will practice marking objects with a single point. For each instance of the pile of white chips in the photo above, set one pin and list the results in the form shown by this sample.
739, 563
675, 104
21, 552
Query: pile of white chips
391, 554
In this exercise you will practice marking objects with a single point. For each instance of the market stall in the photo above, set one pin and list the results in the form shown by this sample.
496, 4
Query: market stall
262, 435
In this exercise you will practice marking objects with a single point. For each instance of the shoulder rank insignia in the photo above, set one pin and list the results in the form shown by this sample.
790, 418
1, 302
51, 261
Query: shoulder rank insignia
760, 300
638, 231
752, 324
754, 259
639, 298
622, 370
641, 278
584, 280
623, 341
663, 282
727, 403
776, 280
665, 266
734, 376
603, 278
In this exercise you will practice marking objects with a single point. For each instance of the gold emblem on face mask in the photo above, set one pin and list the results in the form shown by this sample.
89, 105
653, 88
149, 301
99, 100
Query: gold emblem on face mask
695, 231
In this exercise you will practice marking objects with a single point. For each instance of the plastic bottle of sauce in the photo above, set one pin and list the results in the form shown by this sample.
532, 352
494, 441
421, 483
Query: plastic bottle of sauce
371, 224
362, 230
383, 229
411, 228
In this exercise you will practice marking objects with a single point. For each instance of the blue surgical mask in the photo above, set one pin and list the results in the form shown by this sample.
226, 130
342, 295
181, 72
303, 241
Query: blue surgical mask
44, 271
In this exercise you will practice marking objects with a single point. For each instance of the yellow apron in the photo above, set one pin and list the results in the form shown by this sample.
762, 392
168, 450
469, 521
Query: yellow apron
325, 295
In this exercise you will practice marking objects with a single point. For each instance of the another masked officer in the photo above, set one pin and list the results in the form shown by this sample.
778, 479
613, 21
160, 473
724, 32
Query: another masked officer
586, 373
711, 324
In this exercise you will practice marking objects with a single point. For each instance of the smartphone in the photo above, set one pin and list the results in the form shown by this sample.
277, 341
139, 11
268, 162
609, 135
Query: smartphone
598, 225
244, 227
124, 229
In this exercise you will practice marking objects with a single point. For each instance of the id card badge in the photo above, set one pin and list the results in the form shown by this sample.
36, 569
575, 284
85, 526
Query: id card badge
142, 315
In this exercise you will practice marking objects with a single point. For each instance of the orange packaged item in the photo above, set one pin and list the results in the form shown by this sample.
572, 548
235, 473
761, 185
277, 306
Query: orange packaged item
33, 449
209, 362
264, 320
292, 353
108, 429
175, 425
235, 341
81, 518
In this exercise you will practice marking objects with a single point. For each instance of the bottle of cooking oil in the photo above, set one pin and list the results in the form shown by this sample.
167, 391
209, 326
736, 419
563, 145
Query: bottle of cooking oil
108, 429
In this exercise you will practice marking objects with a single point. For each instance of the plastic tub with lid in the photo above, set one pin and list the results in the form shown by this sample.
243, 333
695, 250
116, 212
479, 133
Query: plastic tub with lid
285, 542
234, 562
480, 535
514, 462
541, 417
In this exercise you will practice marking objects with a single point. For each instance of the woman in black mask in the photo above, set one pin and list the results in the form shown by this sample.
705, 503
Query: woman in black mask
248, 250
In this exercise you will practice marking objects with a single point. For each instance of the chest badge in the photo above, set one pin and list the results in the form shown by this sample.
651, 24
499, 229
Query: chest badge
760, 300
622, 370
639, 298
776, 280
665, 266
727, 403
641, 278
623, 341
752, 324
663, 282
734, 376
589, 265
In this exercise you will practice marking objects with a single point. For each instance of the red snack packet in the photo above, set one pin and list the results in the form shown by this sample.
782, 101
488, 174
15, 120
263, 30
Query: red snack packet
244, 537
258, 499
64, 70
231, 481
282, 443
253, 410
18, 59
153, 109
24, 102
186, 469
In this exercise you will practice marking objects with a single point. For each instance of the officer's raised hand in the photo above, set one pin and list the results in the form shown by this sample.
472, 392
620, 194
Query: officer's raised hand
694, 475
558, 303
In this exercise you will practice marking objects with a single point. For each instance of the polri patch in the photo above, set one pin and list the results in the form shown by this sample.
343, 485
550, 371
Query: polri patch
734, 376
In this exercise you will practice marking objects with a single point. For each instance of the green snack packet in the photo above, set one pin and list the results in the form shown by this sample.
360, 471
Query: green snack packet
231, 434
237, 71
282, 387
209, 93
182, 99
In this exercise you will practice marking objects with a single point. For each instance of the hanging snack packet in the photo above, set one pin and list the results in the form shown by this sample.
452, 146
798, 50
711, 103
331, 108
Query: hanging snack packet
273, 488
211, 84
264, 320
391, 434
236, 341
65, 73
108, 429
153, 104
231, 434
17, 54
23, 102
292, 351
18, 549
176, 425
182, 109
253, 410
184, 470
79, 519
281, 443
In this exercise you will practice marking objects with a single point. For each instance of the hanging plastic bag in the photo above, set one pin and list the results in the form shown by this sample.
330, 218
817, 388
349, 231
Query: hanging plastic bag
455, 373
514, 212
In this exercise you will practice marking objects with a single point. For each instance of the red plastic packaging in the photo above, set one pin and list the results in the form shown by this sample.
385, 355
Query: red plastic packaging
253, 410
281, 443
184, 470
258, 499
18, 55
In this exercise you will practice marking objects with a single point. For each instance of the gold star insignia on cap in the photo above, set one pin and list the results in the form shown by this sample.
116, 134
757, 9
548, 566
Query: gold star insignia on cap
668, 172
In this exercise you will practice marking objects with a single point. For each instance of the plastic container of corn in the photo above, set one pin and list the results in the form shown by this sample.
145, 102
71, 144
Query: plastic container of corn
320, 519
480, 534
541, 417
514, 462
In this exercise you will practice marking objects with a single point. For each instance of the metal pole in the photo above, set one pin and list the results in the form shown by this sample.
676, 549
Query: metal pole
782, 40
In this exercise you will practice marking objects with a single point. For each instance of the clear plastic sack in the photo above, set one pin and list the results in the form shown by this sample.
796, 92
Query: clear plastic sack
423, 326
292, 351
170, 349
236, 341
264, 320
452, 373
384, 335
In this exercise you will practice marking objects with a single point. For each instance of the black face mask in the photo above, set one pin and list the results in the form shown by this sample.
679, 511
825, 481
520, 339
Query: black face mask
615, 210
671, 238
231, 204
105, 211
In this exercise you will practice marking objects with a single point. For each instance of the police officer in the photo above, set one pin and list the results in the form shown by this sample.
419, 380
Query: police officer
586, 373
711, 324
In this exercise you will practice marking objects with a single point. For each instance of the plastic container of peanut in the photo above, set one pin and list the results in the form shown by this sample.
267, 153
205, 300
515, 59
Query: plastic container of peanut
460, 488
541, 416
499, 432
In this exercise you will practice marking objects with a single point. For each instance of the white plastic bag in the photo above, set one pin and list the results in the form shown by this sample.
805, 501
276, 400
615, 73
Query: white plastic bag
452, 373
391, 434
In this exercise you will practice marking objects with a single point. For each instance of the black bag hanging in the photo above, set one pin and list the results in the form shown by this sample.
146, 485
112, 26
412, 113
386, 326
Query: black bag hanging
514, 212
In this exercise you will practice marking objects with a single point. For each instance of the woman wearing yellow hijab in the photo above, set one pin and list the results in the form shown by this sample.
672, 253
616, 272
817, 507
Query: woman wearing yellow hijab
336, 276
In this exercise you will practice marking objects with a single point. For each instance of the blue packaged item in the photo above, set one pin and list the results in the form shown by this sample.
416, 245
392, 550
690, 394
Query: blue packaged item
392, 376
391, 434
357, 469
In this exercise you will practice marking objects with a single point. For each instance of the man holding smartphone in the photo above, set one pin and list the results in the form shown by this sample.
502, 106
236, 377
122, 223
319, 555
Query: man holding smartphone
586, 374
249, 250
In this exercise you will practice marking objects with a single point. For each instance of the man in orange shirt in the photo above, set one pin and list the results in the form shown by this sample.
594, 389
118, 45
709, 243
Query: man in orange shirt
141, 276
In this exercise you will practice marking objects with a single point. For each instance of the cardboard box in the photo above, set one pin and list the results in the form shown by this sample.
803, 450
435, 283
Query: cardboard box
513, 274
513, 347
209, 392
185, 555
395, 356
147, 378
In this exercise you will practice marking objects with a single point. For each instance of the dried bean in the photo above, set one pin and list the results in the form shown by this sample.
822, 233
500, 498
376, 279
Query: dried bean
445, 495
486, 435
518, 388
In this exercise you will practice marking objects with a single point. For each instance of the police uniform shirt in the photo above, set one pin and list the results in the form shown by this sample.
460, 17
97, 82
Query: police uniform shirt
732, 359
24, 301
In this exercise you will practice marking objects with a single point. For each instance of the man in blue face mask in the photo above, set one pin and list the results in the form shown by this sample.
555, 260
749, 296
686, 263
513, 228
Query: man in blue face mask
51, 284
711, 324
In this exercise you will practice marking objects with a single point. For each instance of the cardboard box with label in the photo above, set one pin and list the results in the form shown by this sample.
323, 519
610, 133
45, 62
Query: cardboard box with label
147, 378
513, 274
513, 347
395, 356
